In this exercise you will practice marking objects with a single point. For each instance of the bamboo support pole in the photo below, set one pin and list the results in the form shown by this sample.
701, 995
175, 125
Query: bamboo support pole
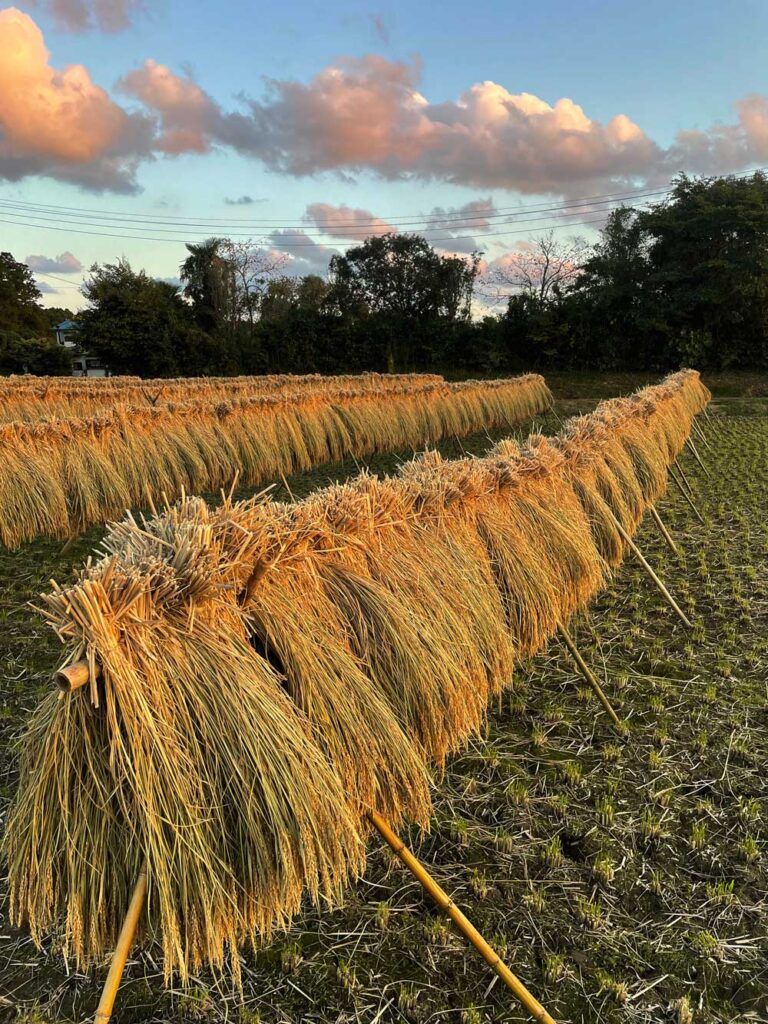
468, 930
686, 495
122, 949
712, 423
700, 434
591, 678
685, 479
649, 569
692, 448
77, 675
69, 544
664, 531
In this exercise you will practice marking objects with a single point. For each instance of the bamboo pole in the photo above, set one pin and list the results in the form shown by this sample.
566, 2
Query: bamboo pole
591, 678
715, 427
468, 930
686, 481
696, 455
700, 433
123, 948
78, 673
686, 495
649, 569
73, 676
69, 544
663, 530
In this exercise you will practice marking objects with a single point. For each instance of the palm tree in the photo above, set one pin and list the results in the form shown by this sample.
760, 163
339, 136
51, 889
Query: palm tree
199, 272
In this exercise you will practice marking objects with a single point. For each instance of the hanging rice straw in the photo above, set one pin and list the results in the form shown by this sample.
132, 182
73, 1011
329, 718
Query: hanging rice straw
63, 475
262, 676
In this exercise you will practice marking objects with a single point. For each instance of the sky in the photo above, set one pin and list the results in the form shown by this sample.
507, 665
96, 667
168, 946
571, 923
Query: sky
128, 127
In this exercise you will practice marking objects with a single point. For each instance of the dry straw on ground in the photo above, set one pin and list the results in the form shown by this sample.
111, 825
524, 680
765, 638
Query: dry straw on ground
65, 475
270, 672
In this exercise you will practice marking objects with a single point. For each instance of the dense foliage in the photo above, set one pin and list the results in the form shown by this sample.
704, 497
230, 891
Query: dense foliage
27, 343
684, 282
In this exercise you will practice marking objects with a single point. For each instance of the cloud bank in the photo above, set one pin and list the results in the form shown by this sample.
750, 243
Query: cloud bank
306, 256
64, 263
357, 115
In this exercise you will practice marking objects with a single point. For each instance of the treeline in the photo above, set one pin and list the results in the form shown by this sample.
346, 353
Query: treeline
682, 283
27, 344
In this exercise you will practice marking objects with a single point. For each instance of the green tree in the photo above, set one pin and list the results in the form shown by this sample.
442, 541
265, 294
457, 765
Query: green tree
19, 298
708, 255
617, 298
38, 355
401, 281
286, 295
140, 325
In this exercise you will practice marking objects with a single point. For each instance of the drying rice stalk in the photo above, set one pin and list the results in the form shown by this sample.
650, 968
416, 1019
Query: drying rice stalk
33, 399
262, 677
65, 475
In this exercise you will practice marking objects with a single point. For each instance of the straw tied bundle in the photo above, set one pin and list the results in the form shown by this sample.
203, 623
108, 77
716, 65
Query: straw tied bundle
262, 676
63, 476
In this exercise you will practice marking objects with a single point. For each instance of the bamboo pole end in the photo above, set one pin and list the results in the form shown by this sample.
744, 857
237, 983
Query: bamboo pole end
72, 677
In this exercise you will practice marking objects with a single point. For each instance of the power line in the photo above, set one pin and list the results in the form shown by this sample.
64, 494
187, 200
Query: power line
54, 277
280, 247
441, 222
23, 216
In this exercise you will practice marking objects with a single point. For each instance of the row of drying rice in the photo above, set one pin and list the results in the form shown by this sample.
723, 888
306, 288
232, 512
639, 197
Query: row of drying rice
62, 476
30, 399
263, 674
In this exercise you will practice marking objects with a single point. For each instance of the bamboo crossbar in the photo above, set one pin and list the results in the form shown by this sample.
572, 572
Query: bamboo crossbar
73, 676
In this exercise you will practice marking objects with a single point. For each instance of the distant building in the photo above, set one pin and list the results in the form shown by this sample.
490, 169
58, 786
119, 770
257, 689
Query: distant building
83, 364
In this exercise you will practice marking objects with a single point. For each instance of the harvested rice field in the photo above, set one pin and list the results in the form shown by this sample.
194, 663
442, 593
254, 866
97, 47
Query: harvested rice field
622, 878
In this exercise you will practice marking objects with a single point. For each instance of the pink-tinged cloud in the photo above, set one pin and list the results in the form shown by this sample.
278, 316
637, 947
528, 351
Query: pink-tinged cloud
472, 216
64, 263
368, 114
84, 15
346, 221
305, 255
187, 115
358, 115
60, 122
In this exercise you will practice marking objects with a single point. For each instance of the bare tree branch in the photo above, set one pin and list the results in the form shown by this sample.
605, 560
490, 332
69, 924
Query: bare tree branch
540, 270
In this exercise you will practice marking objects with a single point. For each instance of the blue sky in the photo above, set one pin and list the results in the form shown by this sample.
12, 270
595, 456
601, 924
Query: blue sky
386, 137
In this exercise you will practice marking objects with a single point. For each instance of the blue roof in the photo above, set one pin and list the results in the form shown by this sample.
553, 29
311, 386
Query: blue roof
66, 325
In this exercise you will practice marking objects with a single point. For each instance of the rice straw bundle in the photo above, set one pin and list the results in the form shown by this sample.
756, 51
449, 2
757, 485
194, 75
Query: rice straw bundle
269, 672
32, 399
85, 471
